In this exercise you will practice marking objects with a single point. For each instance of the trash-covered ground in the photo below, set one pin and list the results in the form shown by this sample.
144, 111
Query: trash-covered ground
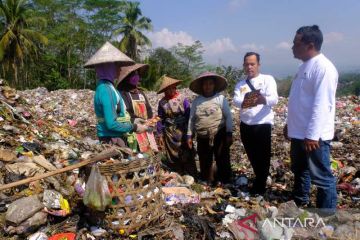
43, 131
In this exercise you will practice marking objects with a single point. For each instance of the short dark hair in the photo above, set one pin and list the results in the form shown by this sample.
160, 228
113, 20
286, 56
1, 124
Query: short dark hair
311, 34
248, 54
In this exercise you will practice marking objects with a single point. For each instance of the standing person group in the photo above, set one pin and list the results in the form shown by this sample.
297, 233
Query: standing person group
310, 123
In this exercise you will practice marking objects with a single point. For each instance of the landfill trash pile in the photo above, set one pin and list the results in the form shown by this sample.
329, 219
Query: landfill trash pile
73, 109
43, 131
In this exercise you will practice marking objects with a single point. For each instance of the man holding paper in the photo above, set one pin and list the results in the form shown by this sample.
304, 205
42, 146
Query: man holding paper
255, 95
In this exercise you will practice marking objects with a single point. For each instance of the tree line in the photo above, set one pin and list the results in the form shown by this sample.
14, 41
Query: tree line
46, 42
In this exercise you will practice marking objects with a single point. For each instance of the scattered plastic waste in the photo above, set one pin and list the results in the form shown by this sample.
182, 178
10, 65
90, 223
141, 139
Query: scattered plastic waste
52, 130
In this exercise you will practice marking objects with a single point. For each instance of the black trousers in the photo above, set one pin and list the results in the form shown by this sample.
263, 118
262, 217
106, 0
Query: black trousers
221, 152
257, 143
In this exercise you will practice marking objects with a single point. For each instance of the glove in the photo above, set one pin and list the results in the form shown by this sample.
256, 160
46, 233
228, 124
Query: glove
140, 128
139, 121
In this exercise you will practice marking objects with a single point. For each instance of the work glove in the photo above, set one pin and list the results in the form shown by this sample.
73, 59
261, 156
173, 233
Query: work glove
140, 128
139, 121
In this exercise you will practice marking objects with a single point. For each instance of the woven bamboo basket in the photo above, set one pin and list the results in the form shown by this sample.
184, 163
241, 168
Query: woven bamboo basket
136, 194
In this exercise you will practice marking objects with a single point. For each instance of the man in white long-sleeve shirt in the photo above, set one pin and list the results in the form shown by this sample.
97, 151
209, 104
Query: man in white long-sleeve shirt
310, 123
255, 95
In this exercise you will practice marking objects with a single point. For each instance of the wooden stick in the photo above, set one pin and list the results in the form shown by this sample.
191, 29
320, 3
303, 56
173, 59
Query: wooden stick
101, 156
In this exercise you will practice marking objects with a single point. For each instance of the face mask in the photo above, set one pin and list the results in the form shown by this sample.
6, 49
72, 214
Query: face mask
134, 79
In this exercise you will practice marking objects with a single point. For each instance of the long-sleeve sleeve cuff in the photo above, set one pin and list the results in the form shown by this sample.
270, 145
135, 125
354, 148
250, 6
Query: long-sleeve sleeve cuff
312, 137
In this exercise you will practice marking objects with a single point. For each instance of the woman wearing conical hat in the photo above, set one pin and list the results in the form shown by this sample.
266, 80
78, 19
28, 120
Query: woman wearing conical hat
211, 122
174, 110
108, 104
137, 105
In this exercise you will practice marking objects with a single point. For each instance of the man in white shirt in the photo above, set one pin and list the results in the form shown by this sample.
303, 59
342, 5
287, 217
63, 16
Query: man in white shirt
255, 95
310, 123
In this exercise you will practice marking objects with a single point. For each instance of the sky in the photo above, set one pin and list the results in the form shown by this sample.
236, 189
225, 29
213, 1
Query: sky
230, 28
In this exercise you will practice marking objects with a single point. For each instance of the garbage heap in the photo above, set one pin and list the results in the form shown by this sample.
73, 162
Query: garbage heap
42, 131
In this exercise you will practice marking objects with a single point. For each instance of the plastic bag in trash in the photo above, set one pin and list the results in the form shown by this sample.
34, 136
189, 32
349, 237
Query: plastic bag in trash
97, 195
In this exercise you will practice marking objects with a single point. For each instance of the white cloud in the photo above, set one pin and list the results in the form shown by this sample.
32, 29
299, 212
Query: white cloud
284, 45
252, 47
220, 46
167, 39
236, 4
333, 37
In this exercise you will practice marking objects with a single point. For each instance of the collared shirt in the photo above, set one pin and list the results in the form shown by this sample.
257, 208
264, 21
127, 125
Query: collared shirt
311, 107
260, 114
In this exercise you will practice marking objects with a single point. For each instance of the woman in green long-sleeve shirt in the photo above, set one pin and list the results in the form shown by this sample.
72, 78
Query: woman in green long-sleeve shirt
108, 107
108, 104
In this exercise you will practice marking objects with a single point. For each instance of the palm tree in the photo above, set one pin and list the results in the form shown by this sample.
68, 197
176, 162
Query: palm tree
132, 24
18, 39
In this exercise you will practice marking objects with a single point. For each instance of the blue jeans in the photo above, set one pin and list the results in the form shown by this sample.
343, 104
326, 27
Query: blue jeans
314, 167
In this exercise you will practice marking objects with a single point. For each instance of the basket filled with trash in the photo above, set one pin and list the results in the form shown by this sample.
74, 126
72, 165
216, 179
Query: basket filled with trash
133, 199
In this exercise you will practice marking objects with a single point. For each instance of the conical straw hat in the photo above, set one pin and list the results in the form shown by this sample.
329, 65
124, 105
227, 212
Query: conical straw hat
108, 53
126, 70
220, 82
166, 82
